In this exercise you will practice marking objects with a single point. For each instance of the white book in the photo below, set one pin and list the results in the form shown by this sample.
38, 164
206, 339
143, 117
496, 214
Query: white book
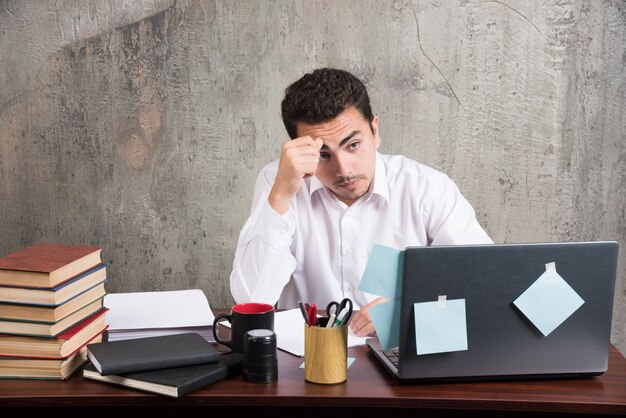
142, 314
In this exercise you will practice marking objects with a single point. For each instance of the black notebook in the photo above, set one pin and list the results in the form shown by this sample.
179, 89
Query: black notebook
174, 382
151, 353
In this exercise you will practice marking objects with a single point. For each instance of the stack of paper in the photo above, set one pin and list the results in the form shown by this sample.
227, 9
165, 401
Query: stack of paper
149, 314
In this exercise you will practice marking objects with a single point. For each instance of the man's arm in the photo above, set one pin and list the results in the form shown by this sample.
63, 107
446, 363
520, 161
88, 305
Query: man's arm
451, 218
451, 221
263, 262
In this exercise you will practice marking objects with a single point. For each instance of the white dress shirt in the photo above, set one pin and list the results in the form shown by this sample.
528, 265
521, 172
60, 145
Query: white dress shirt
318, 250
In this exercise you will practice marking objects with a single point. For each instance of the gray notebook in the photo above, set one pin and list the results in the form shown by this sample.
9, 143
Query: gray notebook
151, 353
502, 342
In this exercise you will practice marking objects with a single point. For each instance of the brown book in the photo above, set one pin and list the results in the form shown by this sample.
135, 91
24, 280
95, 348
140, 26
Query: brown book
47, 265
50, 330
56, 295
32, 368
50, 314
89, 330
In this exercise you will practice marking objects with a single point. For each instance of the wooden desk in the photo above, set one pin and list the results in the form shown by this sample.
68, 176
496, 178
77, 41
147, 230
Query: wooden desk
369, 391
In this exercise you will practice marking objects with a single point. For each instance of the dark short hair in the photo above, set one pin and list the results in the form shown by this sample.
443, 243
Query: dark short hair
322, 95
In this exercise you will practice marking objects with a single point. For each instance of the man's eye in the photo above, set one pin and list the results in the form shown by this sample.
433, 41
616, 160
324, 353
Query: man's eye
323, 156
353, 145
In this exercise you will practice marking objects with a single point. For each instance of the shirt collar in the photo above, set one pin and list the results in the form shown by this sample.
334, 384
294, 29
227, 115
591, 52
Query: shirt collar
380, 188
314, 185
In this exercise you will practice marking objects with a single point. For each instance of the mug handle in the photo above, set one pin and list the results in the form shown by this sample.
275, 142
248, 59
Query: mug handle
215, 321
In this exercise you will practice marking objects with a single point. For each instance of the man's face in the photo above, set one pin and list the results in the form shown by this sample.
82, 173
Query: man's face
348, 156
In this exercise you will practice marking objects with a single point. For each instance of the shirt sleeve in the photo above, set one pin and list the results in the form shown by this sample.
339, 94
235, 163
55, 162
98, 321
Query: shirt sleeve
451, 218
263, 262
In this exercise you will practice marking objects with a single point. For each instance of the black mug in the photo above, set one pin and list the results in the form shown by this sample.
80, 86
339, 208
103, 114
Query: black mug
244, 317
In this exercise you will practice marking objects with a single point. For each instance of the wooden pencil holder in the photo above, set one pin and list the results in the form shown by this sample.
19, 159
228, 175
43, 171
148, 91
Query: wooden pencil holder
325, 354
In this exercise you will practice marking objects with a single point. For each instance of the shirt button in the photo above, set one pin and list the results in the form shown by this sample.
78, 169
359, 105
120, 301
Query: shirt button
348, 251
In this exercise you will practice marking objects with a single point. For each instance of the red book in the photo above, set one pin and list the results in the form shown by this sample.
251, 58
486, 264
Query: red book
64, 345
47, 265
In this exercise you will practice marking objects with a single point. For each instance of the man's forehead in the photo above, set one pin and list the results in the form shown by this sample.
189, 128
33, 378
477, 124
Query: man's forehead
335, 130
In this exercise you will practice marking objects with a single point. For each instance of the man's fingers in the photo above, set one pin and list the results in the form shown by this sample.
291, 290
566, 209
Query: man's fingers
360, 321
304, 141
368, 329
305, 151
306, 164
362, 326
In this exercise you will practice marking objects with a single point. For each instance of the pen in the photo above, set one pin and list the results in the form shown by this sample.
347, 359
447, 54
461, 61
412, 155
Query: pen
331, 321
313, 315
340, 316
303, 311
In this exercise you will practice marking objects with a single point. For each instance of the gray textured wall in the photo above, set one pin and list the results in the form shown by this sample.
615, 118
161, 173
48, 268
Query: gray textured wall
139, 126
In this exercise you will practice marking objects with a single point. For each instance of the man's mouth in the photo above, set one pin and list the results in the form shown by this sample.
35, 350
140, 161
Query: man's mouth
349, 184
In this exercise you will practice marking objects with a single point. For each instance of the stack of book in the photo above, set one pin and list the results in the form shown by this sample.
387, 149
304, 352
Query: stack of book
171, 365
51, 306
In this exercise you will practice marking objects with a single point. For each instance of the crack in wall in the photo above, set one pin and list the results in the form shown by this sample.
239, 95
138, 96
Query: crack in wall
509, 7
17, 97
419, 44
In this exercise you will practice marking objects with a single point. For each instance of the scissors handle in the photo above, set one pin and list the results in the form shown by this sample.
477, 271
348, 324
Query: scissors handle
340, 307
329, 308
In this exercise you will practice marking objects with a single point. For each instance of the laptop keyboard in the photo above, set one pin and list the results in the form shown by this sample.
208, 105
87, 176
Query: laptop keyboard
392, 355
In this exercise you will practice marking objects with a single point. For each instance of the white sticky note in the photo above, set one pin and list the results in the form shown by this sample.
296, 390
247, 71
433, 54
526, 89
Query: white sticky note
549, 301
350, 360
440, 326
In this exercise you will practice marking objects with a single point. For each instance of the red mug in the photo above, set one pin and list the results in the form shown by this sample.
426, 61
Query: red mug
244, 317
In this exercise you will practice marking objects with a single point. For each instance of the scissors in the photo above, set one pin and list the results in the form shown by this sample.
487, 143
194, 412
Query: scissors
335, 308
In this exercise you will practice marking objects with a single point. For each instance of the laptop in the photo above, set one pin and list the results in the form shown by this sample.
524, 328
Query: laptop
502, 343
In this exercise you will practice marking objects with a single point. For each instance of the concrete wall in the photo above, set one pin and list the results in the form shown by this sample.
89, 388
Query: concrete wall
140, 126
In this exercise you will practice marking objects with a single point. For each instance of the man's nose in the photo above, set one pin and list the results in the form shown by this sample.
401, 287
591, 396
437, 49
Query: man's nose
342, 166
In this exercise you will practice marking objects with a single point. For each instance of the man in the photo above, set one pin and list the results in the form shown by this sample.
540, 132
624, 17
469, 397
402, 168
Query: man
317, 212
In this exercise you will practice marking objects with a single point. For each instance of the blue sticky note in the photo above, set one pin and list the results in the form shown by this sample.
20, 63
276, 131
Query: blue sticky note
549, 301
440, 327
382, 272
386, 320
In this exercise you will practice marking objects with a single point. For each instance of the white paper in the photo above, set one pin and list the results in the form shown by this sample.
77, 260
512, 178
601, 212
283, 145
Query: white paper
167, 309
205, 332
